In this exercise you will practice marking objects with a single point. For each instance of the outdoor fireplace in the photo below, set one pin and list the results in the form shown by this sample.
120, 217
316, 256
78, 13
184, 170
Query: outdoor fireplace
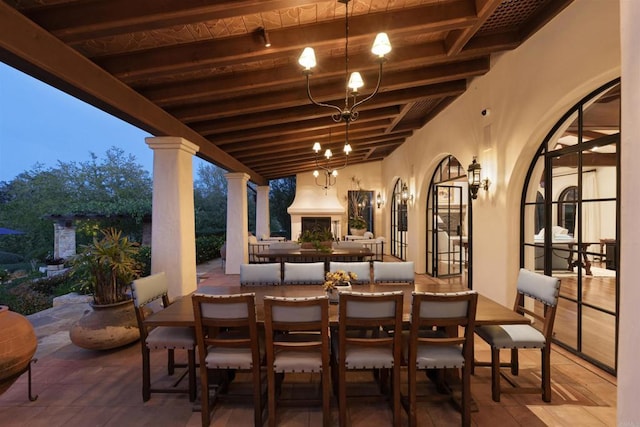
313, 206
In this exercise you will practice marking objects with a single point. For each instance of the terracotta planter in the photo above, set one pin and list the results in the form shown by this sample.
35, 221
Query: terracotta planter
18, 344
106, 327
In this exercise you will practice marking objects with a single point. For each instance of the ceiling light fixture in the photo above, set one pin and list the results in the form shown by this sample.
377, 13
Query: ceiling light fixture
381, 46
330, 173
265, 37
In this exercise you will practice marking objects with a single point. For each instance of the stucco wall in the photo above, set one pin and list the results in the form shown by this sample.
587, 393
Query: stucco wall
526, 91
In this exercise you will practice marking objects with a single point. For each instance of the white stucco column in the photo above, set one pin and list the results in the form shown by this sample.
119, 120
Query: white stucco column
262, 212
628, 413
173, 236
237, 222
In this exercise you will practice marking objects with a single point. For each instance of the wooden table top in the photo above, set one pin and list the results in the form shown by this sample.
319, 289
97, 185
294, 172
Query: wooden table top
313, 253
180, 313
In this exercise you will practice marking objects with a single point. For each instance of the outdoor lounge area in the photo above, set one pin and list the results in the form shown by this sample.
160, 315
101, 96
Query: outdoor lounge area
78, 387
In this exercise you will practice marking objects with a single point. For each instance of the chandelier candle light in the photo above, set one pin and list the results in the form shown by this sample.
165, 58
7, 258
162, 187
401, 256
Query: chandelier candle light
348, 113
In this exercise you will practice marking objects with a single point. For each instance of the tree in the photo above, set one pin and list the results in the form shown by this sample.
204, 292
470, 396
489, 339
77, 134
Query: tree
210, 200
116, 187
282, 193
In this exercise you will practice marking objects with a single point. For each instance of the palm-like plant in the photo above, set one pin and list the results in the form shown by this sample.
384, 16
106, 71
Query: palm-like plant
107, 267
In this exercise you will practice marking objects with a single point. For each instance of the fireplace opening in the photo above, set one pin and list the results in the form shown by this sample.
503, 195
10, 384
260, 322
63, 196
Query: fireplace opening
316, 223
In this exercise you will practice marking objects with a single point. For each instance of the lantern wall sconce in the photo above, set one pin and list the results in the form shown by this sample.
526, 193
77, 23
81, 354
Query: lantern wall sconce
405, 196
379, 201
475, 182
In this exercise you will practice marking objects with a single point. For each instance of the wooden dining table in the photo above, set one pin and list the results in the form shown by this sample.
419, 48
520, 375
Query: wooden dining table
180, 312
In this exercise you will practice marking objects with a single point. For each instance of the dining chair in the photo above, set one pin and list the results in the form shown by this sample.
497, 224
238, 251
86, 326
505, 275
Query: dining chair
363, 342
228, 340
433, 342
398, 272
544, 291
260, 274
362, 269
152, 291
303, 273
297, 340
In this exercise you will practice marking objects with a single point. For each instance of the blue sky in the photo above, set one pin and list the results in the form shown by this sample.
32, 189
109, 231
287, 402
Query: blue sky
40, 124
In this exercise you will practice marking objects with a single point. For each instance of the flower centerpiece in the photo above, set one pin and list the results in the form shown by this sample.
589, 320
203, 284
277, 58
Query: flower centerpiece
336, 281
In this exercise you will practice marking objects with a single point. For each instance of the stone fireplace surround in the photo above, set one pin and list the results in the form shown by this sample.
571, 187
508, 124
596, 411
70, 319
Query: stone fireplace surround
311, 203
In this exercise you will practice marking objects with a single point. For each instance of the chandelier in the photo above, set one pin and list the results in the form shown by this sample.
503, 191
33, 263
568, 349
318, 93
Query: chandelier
348, 113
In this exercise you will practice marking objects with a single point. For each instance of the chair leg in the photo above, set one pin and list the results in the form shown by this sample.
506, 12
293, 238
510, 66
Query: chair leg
326, 398
515, 365
193, 388
171, 361
412, 372
342, 396
205, 411
395, 390
495, 374
257, 396
271, 392
546, 373
465, 411
146, 374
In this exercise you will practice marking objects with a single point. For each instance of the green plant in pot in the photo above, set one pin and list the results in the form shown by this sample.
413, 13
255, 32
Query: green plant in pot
318, 238
106, 268
358, 223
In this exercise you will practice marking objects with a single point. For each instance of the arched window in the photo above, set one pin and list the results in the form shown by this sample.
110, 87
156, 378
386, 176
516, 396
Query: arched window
567, 206
399, 222
569, 223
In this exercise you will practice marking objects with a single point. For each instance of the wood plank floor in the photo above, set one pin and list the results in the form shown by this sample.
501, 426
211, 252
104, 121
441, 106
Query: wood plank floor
77, 387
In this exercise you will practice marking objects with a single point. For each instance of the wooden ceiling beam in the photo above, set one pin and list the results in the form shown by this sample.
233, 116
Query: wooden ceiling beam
292, 128
83, 21
251, 157
292, 98
458, 38
288, 41
371, 132
267, 83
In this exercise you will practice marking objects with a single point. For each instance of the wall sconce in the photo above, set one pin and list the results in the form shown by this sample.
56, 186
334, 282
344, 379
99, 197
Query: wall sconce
405, 196
475, 182
379, 201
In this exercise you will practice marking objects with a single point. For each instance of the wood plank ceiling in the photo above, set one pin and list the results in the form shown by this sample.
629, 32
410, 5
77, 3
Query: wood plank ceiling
200, 69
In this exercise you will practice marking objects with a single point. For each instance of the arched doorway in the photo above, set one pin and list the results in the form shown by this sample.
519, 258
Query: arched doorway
399, 222
447, 220
577, 170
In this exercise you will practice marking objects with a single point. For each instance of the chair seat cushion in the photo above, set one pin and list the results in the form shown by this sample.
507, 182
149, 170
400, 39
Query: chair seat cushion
167, 337
511, 336
365, 357
229, 358
438, 357
297, 361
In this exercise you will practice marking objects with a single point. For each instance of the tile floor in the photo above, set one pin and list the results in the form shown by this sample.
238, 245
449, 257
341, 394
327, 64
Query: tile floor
77, 387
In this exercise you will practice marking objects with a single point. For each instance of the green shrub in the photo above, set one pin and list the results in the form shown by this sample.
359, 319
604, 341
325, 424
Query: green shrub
143, 257
48, 285
10, 258
208, 248
25, 300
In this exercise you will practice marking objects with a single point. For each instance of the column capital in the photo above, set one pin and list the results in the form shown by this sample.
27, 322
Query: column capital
237, 175
171, 143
